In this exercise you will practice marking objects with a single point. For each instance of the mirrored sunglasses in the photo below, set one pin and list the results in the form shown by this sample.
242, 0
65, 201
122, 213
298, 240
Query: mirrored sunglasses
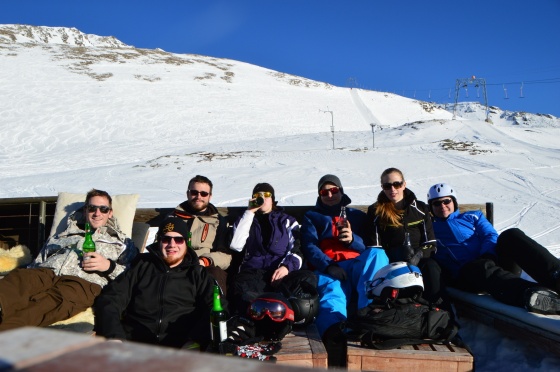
438, 203
397, 185
276, 310
266, 194
102, 208
333, 190
167, 239
196, 192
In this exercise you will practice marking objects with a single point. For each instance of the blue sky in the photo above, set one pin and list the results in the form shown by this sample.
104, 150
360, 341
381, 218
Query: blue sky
412, 48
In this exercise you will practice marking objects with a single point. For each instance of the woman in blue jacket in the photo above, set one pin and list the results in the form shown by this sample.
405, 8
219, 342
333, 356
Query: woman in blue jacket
474, 257
268, 239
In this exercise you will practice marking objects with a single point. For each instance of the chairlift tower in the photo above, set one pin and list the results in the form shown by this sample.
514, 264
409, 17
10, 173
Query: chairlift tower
464, 83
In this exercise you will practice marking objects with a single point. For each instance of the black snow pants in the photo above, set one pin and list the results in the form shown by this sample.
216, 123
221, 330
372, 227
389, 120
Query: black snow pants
513, 246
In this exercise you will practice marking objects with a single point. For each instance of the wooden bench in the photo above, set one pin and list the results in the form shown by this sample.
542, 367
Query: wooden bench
303, 348
433, 358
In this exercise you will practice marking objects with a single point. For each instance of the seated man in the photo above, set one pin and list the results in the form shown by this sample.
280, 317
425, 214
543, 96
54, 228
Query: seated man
473, 256
164, 299
60, 282
342, 262
209, 234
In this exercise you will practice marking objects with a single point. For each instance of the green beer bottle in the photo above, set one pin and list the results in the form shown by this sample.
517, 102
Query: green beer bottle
89, 244
218, 319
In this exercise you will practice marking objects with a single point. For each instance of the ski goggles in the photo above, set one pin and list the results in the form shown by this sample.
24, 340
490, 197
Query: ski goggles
276, 310
333, 190
102, 208
266, 194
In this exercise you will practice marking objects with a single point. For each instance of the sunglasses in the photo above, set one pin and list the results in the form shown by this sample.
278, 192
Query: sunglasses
102, 208
333, 190
397, 185
276, 310
196, 192
167, 239
438, 203
266, 194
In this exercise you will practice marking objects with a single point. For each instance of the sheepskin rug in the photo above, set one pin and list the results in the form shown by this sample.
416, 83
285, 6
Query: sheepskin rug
15, 257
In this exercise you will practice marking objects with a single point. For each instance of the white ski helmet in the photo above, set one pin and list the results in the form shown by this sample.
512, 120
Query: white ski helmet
396, 280
440, 190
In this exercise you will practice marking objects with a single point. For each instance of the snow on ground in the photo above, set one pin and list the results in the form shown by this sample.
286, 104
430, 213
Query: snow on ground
79, 112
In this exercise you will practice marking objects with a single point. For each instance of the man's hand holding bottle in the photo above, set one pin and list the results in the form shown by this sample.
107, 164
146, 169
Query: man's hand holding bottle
345, 233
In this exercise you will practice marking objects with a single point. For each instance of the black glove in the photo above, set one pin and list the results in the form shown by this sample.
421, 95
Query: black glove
241, 331
415, 259
336, 272
428, 249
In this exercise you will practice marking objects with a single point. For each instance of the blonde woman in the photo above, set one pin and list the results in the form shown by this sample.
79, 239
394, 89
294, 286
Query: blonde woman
402, 225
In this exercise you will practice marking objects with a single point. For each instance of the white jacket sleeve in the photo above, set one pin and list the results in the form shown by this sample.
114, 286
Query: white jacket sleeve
241, 231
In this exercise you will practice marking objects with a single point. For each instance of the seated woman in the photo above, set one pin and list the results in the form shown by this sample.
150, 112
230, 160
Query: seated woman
402, 225
269, 241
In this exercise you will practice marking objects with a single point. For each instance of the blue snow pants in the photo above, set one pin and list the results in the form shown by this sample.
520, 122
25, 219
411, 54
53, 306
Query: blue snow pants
334, 294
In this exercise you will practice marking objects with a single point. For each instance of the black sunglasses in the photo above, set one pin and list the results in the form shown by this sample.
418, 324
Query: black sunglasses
196, 192
167, 239
102, 208
438, 203
397, 185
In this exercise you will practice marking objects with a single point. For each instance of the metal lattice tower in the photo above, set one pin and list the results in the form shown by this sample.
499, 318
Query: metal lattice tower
464, 83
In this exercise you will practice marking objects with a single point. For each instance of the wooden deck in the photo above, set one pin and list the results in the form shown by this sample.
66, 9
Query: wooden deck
433, 358
303, 348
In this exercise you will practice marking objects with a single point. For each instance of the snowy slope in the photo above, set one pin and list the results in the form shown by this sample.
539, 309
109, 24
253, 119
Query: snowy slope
80, 111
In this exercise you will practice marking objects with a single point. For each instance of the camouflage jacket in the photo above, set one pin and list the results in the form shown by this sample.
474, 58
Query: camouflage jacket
63, 252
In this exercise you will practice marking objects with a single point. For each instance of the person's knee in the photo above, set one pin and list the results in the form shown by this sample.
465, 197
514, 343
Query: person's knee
511, 234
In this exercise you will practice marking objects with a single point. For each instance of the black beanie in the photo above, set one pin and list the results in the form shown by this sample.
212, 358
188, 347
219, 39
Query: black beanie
174, 224
264, 187
330, 178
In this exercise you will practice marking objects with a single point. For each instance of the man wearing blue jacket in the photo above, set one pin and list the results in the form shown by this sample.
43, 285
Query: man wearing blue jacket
341, 262
474, 257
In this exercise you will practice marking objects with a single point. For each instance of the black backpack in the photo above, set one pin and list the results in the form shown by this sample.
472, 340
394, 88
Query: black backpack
404, 321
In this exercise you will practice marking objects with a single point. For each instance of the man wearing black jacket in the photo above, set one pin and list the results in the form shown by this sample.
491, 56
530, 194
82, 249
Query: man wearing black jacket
164, 299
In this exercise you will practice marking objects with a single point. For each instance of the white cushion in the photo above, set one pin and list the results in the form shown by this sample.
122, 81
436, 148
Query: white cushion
124, 208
